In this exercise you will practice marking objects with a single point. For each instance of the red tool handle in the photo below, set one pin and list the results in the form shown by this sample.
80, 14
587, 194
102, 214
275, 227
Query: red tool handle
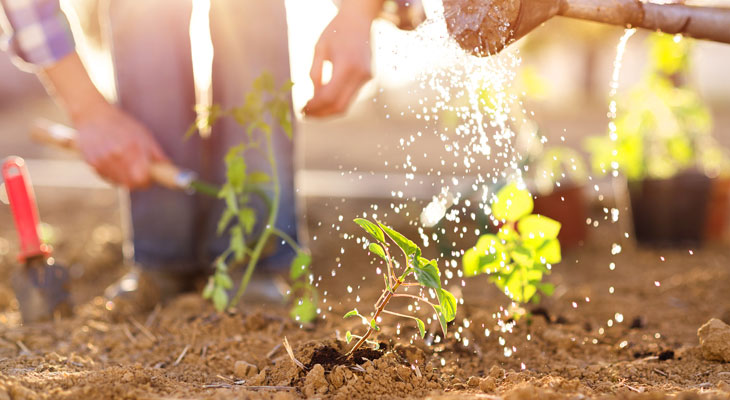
23, 206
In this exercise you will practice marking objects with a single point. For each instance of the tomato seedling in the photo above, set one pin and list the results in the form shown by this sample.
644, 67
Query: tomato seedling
523, 250
424, 271
263, 103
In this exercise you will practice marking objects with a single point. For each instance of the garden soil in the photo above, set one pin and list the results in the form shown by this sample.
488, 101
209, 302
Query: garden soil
655, 300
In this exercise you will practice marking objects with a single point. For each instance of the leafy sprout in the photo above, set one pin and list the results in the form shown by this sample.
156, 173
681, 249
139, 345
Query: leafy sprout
523, 250
415, 271
264, 103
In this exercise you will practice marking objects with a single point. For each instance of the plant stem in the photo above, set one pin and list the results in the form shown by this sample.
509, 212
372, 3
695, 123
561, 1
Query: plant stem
288, 239
390, 268
269, 229
413, 297
380, 309
399, 314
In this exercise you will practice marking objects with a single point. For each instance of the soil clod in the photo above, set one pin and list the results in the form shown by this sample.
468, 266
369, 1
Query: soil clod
714, 338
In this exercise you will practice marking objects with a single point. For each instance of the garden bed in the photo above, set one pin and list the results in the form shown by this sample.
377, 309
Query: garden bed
185, 349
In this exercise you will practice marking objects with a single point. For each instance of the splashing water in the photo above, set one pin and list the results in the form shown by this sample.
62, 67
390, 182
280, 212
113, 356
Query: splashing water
613, 88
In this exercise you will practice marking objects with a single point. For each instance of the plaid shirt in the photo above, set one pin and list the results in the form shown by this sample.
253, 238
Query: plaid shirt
39, 32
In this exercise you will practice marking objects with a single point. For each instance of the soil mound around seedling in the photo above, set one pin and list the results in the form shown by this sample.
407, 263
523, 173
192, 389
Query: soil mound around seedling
329, 357
369, 373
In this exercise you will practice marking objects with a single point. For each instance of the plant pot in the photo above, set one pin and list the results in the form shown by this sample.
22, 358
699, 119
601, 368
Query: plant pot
566, 205
670, 212
718, 210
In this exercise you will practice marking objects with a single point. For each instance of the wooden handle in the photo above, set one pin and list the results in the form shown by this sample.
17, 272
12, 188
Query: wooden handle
64, 137
710, 23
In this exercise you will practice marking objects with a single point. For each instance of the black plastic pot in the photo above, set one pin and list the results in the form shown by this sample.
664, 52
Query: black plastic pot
670, 212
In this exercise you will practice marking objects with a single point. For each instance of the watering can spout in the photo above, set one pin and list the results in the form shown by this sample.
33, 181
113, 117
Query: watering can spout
485, 27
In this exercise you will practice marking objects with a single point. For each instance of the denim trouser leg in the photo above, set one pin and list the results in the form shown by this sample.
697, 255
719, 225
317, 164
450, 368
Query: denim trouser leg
250, 37
151, 49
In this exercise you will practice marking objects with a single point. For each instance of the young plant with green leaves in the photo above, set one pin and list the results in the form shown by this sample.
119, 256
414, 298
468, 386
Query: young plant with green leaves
523, 250
423, 274
662, 126
264, 104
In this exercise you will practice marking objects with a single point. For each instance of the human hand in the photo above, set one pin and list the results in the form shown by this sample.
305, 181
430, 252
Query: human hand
119, 148
346, 44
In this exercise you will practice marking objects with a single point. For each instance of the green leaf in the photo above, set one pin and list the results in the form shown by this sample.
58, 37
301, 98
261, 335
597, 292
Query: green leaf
247, 217
374, 325
377, 250
512, 203
547, 288
536, 226
264, 82
372, 229
348, 337
441, 318
225, 219
304, 311
237, 243
228, 194
421, 327
223, 280
522, 256
409, 248
448, 304
220, 298
236, 168
351, 313
209, 287
550, 251
258, 177
427, 273
487, 254
519, 288
299, 265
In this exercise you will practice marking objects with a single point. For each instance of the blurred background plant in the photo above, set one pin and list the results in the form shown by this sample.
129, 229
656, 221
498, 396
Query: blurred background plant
662, 125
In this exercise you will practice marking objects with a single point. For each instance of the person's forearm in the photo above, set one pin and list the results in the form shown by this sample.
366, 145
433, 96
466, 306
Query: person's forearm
369, 8
69, 83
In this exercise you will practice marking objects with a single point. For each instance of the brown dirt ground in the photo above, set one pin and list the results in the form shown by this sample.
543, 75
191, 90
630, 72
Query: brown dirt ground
185, 349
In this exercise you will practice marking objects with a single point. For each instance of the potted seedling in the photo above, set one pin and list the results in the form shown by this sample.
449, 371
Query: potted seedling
523, 250
414, 278
662, 144
264, 103
558, 176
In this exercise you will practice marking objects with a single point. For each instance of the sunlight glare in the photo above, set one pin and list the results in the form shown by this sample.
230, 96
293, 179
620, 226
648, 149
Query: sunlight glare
201, 48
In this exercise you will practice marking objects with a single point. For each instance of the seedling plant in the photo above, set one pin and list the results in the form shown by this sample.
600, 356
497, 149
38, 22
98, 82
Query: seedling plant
424, 272
523, 250
264, 103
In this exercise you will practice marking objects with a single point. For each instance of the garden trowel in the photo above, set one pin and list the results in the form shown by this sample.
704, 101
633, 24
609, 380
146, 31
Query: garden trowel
40, 284
164, 174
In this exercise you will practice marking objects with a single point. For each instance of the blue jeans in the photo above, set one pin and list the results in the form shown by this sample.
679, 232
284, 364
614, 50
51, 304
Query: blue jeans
151, 49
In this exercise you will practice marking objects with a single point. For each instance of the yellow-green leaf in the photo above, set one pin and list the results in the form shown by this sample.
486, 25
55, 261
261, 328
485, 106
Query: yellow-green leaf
371, 228
421, 327
305, 311
448, 304
409, 248
550, 251
300, 265
487, 254
377, 250
220, 298
512, 203
537, 226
